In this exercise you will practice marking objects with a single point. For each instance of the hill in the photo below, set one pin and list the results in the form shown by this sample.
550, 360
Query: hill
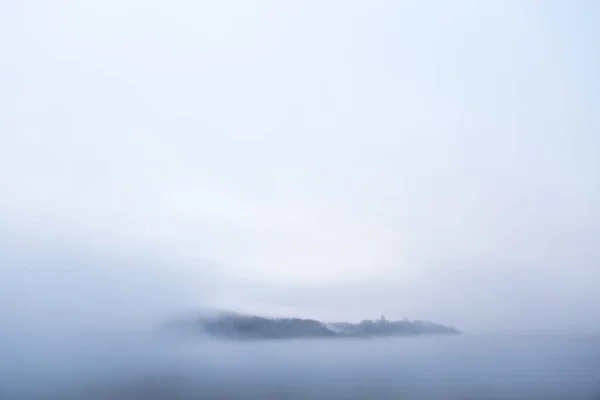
252, 327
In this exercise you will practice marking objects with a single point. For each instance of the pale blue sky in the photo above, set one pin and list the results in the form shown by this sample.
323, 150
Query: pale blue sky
428, 159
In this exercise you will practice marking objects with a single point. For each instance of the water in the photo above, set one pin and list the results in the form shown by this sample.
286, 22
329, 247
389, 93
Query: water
436, 367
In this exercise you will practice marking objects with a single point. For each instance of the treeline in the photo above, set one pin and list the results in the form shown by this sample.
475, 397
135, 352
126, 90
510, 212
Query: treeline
240, 327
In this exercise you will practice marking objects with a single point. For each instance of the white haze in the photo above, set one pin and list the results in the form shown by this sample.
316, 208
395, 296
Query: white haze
336, 160
437, 158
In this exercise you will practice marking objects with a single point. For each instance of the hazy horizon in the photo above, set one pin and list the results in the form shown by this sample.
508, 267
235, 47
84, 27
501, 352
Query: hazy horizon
333, 160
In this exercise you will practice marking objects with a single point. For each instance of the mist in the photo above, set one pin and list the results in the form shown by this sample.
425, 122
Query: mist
88, 324
423, 155
468, 367
333, 160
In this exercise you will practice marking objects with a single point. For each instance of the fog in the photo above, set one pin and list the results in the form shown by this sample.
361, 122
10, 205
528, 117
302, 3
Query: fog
421, 154
466, 367
98, 334
333, 160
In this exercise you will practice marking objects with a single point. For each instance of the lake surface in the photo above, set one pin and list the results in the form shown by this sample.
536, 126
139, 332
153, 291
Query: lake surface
434, 367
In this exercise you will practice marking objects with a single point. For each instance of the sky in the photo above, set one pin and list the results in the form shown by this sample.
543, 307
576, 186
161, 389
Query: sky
331, 159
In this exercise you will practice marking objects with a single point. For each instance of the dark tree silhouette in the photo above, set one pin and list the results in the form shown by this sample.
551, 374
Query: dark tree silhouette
252, 327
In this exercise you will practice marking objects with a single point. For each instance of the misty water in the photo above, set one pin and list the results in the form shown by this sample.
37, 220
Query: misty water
434, 367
